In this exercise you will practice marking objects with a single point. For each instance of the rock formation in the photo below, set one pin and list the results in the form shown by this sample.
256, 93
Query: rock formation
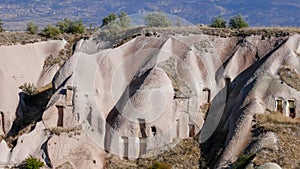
144, 93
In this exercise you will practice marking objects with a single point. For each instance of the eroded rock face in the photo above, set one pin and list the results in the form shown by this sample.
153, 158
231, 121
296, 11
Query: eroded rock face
75, 149
150, 90
23, 64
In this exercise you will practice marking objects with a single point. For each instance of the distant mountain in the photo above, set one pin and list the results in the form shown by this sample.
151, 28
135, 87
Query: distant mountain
15, 13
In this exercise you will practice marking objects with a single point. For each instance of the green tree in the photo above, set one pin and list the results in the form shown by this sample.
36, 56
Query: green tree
64, 25
32, 28
111, 17
68, 26
33, 163
218, 22
238, 22
155, 19
50, 31
124, 20
1, 26
76, 27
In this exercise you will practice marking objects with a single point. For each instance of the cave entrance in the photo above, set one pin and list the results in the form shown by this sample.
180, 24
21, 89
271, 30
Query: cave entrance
177, 127
206, 92
143, 146
227, 84
69, 95
279, 105
292, 108
125, 152
191, 130
153, 130
2, 122
142, 124
60, 120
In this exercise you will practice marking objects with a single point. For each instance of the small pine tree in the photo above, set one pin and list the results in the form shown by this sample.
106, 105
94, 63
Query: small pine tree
76, 27
50, 31
124, 20
64, 25
32, 28
68, 26
238, 22
218, 22
33, 163
155, 19
111, 17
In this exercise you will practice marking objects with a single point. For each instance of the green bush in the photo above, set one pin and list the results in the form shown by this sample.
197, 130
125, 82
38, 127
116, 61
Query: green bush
68, 26
218, 22
160, 165
50, 31
32, 28
155, 19
33, 163
124, 20
243, 161
238, 22
111, 17
29, 88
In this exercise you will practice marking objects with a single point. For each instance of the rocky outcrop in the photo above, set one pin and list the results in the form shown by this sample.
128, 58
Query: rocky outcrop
142, 94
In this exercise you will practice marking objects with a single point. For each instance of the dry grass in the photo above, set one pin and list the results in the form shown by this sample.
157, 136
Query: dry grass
186, 154
287, 152
276, 118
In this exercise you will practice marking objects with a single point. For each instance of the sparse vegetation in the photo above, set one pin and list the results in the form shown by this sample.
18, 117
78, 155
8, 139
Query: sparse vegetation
184, 154
287, 151
50, 31
160, 165
59, 130
32, 28
111, 17
238, 22
124, 20
33, 163
155, 19
29, 88
218, 22
69, 26
243, 161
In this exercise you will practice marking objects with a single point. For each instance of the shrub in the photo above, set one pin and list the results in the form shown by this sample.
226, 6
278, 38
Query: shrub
50, 31
243, 161
160, 165
29, 88
155, 19
32, 28
68, 26
238, 22
124, 20
111, 17
33, 163
218, 22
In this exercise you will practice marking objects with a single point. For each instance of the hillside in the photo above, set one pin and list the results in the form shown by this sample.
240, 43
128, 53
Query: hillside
16, 14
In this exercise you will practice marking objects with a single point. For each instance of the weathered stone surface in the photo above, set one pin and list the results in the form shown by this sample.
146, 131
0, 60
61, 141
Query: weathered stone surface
269, 166
143, 94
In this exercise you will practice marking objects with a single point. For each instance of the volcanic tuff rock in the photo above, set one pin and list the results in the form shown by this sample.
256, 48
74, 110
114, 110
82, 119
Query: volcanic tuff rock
144, 93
